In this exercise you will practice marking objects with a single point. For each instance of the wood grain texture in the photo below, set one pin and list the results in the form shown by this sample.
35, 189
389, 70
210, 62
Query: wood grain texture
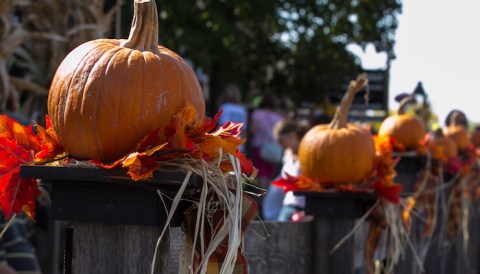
117, 249
279, 247
327, 233
455, 255
177, 242
407, 262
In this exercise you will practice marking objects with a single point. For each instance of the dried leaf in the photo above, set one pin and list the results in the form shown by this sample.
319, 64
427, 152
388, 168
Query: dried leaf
50, 147
140, 166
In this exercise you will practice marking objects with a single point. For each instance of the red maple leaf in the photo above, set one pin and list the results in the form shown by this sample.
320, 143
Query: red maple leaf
19, 145
288, 183
388, 192
15, 193
245, 163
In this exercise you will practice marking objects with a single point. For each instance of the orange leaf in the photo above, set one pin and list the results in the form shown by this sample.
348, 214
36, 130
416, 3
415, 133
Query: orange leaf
211, 146
11, 129
177, 131
140, 166
50, 147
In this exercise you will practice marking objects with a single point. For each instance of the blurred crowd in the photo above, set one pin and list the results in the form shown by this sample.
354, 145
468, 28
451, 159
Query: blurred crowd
273, 126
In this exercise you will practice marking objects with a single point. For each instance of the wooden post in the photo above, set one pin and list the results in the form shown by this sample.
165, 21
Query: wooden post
122, 249
115, 222
334, 218
279, 247
329, 232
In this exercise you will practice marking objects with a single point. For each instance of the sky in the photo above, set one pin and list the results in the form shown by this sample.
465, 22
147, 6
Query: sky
438, 44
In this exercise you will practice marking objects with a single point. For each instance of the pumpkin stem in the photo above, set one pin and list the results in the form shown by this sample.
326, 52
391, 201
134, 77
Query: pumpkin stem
402, 107
144, 31
340, 118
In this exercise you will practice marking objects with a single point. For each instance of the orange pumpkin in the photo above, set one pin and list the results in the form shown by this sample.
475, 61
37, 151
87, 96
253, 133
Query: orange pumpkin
406, 129
108, 94
475, 137
338, 152
447, 144
457, 132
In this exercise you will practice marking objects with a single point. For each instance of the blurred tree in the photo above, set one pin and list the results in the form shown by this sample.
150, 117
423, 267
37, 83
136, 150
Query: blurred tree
292, 46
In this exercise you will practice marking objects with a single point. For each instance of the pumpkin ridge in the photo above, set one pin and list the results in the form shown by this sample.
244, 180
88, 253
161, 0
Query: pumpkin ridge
142, 100
179, 81
62, 99
161, 73
71, 100
192, 82
116, 135
103, 71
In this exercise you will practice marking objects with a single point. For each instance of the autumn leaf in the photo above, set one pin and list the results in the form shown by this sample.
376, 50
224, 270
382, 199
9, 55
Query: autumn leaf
211, 145
245, 164
15, 193
176, 132
10, 129
287, 182
229, 129
140, 165
388, 192
19, 145
50, 147
185, 135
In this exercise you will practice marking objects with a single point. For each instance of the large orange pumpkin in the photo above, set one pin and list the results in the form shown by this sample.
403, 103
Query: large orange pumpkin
457, 132
107, 94
338, 153
406, 129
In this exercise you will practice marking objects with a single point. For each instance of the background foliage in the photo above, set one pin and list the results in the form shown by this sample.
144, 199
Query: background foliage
293, 47
296, 47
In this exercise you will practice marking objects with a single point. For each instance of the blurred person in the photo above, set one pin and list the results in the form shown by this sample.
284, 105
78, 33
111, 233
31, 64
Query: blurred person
288, 133
460, 119
233, 109
17, 254
262, 121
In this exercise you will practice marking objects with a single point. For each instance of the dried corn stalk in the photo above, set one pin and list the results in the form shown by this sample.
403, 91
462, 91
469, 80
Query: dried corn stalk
11, 36
49, 30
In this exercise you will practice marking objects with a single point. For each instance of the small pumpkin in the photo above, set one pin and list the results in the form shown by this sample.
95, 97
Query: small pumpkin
406, 129
338, 152
107, 94
457, 132
475, 137
449, 147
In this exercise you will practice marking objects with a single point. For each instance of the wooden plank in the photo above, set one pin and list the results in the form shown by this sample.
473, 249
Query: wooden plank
327, 233
117, 249
161, 177
279, 247
177, 242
